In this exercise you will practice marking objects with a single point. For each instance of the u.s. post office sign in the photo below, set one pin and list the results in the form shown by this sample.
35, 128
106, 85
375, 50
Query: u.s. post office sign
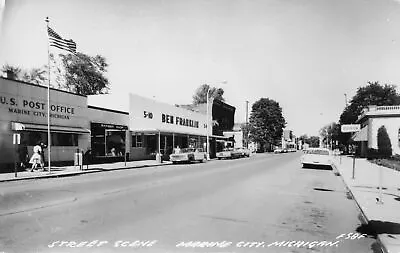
27, 103
349, 128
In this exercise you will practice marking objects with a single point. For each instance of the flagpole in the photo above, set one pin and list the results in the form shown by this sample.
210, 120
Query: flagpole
48, 100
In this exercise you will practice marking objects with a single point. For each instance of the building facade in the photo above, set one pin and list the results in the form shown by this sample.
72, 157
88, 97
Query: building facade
154, 127
111, 127
23, 111
371, 119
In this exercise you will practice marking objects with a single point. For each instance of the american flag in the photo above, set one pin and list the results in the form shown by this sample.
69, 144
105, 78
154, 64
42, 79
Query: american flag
57, 41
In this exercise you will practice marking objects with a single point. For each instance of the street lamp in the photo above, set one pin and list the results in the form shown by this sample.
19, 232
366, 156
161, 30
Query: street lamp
208, 123
247, 124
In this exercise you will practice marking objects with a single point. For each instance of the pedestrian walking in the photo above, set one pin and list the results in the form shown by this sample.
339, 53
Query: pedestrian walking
36, 157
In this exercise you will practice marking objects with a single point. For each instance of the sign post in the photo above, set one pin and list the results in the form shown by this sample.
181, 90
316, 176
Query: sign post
380, 199
16, 142
349, 128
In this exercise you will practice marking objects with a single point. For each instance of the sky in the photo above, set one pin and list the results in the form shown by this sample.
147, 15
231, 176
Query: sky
304, 54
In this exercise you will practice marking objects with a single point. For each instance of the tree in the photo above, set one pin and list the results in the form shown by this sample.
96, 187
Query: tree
266, 122
384, 144
57, 71
330, 132
200, 96
14, 71
35, 75
313, 141
85, 75
372, 94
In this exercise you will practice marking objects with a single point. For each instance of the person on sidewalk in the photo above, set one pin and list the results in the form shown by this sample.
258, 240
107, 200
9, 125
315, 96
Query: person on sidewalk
42, 146
36, 158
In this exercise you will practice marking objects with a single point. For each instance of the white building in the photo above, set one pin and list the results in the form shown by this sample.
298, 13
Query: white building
371, 119
146, 126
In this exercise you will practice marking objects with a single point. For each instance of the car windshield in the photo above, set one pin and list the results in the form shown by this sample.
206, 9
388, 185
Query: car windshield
187, 150
317, 152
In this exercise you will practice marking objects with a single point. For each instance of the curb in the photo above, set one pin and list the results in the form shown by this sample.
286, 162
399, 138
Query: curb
365, 220
383, 247
81, 172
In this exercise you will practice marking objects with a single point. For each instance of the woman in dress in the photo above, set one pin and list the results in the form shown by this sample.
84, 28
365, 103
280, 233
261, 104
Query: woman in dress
36, 157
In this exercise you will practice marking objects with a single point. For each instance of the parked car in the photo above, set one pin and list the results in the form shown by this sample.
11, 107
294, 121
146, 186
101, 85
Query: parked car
236, 153
225, 153
317, 157
278, 151
188, 155
244, 152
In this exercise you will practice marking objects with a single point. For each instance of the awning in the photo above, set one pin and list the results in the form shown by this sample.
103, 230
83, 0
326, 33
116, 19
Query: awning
361, 135
18, 126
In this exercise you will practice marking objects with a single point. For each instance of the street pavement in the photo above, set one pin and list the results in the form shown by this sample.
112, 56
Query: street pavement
379, 208
265, 203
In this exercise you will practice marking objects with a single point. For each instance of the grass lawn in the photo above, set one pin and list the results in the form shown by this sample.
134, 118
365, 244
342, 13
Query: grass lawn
387, 162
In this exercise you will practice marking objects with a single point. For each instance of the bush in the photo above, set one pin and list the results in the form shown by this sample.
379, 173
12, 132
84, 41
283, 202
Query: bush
373, 154
396, 157
384, 144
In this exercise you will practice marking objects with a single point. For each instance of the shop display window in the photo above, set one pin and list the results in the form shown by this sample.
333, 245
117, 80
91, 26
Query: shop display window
137, 141
31, 138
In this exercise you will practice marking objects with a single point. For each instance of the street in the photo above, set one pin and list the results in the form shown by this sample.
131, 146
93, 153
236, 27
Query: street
243, 205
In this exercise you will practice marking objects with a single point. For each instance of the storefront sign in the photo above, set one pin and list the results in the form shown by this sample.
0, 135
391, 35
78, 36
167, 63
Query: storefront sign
350, 128
109, 126
169, 119
147, 114
36, 108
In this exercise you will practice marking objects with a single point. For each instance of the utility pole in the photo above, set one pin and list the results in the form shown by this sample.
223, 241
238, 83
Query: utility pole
247, 124
345, 99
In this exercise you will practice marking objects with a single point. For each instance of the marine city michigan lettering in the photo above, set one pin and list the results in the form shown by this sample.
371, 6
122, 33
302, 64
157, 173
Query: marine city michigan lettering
36, 108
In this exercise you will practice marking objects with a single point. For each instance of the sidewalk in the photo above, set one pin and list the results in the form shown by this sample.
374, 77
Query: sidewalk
75, 170
383, 218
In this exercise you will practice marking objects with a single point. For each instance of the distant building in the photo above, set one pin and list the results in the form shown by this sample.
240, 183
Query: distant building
287, 135
288, 140
222, 116
237, 135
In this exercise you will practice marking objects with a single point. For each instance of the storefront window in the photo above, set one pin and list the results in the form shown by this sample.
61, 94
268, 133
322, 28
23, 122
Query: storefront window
107, 139
31, 138
151, 144
115, 143
166, 144
64, 139
137, 140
